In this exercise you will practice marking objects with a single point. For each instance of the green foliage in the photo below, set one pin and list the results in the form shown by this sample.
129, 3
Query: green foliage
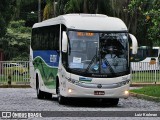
60, 7
154, 19
5, 15
16, 41
48, 10
148, 20
74, 6
17, 24
87, 6
19, 27
150, 91
2, 26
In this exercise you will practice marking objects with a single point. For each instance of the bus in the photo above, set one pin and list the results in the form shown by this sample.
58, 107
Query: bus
68, 58
147, 58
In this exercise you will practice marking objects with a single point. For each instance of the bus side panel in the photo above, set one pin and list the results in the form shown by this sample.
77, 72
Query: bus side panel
46, 62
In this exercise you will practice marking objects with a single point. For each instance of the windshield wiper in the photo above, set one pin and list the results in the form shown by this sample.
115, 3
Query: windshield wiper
91, 63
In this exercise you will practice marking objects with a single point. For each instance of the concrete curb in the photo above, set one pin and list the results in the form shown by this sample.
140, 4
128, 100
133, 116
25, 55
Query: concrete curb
145, 97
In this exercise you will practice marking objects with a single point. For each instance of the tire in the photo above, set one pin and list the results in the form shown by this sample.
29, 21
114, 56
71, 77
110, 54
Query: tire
61, 99
111, 101
48, 96
114, 101
40, 94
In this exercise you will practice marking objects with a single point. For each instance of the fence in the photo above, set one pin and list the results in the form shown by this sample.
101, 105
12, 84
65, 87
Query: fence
17, 72
145, 72
14, 72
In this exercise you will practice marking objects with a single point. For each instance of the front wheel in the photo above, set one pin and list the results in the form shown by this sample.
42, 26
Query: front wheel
111, 101
61, 99
114, 101
40, 94
48, 95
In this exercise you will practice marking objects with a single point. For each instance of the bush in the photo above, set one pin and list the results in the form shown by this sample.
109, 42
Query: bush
16, 42
17, 24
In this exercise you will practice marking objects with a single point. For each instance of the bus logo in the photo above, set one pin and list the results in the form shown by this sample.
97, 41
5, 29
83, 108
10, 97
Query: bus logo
99, 86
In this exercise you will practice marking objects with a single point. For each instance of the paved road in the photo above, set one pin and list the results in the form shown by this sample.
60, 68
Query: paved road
18, 99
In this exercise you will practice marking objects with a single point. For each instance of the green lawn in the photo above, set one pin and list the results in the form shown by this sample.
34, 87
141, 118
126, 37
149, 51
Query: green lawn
149, 90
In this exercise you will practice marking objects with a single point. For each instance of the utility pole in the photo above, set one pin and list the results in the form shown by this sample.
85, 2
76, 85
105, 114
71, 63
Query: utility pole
39, 10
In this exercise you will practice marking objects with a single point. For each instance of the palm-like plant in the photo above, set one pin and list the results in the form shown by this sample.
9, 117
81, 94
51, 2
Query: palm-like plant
48, 10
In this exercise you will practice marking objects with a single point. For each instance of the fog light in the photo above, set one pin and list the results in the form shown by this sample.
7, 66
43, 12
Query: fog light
69, 90
126, 92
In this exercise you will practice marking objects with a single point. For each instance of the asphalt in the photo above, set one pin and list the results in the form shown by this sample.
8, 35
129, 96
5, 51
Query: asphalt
133, 86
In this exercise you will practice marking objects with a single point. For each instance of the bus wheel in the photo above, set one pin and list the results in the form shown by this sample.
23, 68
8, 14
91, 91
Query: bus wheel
61, 99
40, 94
114, 101
110, 101
48, 95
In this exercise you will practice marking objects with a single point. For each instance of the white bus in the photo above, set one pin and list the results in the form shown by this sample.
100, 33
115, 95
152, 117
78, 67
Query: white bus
147, 58
82, 56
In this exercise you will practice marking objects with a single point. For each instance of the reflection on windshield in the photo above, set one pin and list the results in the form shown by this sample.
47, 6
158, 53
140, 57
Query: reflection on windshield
101, 53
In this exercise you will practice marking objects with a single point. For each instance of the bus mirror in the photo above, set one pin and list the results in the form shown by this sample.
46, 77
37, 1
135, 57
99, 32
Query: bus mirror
134, 44
64, 42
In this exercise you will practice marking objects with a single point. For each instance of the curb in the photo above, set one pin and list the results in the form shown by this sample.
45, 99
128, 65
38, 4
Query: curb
145, 97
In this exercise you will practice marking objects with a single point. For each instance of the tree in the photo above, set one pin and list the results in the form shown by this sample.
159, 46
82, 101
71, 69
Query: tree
145, 18
88, 6
5, 15
153, 17
15, 43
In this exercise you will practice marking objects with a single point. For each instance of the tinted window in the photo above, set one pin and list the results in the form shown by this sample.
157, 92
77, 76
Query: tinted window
45, 38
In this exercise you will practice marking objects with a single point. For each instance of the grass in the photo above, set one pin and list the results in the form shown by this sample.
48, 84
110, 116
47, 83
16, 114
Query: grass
149, 90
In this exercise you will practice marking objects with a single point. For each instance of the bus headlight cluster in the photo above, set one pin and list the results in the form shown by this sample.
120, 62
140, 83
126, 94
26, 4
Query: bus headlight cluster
123, 83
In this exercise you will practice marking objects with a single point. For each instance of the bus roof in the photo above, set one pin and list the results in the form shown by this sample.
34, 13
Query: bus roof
93, 22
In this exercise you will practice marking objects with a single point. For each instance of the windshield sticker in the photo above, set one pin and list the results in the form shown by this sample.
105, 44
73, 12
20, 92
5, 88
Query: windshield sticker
95, 67
53, 58
104, 65
76, 60
76, 65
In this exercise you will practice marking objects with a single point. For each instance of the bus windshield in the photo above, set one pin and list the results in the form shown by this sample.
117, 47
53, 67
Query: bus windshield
98, 53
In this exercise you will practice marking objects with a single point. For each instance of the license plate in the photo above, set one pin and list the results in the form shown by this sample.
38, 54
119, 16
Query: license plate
99, 92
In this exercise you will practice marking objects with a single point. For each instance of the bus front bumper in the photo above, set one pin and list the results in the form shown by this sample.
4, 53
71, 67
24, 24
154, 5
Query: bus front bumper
73, 90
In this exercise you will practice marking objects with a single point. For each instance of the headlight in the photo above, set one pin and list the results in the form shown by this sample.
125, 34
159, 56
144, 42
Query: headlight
126, 92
